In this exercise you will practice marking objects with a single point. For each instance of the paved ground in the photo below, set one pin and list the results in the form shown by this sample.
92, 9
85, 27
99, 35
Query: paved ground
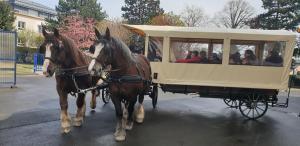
29, 115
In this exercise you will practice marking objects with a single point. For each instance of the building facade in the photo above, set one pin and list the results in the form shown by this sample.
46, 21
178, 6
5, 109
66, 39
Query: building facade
30, 15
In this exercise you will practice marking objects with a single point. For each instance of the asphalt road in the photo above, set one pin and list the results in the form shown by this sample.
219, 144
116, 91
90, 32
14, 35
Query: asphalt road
29, 116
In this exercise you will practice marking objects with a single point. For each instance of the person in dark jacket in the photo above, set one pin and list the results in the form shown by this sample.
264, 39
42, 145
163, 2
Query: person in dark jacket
214, 59
235, 56
203, 56
274, 59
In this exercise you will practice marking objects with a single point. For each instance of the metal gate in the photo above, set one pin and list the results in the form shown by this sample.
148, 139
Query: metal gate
38, 60
8, 42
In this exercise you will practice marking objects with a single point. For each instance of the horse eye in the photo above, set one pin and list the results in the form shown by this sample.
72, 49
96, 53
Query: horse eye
92, 49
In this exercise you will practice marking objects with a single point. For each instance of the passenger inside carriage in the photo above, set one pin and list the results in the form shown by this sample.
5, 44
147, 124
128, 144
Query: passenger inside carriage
235, 56
203, 57
273, 58
249, 58
194, 58
214, 59
189, 55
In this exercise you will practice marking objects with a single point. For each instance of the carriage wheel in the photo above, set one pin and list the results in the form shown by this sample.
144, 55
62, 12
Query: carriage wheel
105, 95
253, 107
231, 102
154, 95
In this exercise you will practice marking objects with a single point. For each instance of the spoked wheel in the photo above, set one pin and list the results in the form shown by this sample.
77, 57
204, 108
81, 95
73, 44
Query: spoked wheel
154, 95
253, 107
231, 102
105, 95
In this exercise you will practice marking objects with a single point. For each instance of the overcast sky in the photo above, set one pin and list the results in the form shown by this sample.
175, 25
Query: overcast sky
113, 7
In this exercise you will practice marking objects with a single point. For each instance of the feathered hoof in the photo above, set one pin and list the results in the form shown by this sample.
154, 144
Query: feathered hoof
120, 138
65, 130
140, 114
129, 125
66, 125
120, 135
139, 120
77, 122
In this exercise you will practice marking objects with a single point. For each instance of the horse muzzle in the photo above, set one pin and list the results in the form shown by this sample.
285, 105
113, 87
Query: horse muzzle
47, 72
94, 68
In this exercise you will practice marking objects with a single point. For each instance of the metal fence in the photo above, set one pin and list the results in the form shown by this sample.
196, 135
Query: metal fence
8, 42
38, 60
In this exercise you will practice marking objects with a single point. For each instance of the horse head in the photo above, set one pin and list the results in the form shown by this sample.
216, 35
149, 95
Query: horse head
102, 51
56, 49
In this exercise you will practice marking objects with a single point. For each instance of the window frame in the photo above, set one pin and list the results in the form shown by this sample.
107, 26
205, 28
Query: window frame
23, 26
258, 51
209, 41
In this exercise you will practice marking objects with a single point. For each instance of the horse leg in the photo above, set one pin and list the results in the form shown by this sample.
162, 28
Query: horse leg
129, 123
64, 116
120, 133
93, 100
78, 120
140, 113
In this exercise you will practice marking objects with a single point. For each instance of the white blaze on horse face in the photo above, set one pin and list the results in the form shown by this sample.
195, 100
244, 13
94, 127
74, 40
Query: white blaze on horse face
98, 49
47, 61
48, 50
91, 66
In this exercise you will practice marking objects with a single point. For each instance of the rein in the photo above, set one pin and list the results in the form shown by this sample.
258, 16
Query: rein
77, 71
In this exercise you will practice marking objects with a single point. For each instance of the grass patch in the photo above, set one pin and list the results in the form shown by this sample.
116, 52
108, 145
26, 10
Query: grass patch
24, 69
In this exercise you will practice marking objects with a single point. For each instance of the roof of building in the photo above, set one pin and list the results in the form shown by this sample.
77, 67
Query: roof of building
142, 29
33, 5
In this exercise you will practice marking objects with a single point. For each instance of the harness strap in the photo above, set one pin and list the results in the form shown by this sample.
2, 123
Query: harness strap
77, 71
127, 79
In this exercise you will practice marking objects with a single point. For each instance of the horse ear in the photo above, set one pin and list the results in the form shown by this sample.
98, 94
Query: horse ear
56, 32
98, 34
45, 33
107, 34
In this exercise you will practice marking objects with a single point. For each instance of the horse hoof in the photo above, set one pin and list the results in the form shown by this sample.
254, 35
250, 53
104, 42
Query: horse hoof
139, 120
120, 138
77, 123
129, 125
65, 130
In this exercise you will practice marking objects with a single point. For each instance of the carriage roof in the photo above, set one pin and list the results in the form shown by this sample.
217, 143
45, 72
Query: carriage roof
146, 29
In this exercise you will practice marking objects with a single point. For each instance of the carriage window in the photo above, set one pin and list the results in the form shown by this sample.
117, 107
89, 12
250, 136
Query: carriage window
260, 53
155, 49
189, 50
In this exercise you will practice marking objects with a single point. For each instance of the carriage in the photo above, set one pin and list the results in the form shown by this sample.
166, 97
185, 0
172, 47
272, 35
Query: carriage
247, 68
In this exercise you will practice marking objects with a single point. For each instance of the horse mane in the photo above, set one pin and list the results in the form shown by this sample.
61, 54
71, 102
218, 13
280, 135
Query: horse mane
74, 52
125, 51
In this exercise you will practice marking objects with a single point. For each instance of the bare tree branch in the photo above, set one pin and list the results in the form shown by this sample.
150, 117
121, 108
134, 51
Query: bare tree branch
193, 16
235, 14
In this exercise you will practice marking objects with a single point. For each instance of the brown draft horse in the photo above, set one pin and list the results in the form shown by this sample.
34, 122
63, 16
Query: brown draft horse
129, 77
68, 63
